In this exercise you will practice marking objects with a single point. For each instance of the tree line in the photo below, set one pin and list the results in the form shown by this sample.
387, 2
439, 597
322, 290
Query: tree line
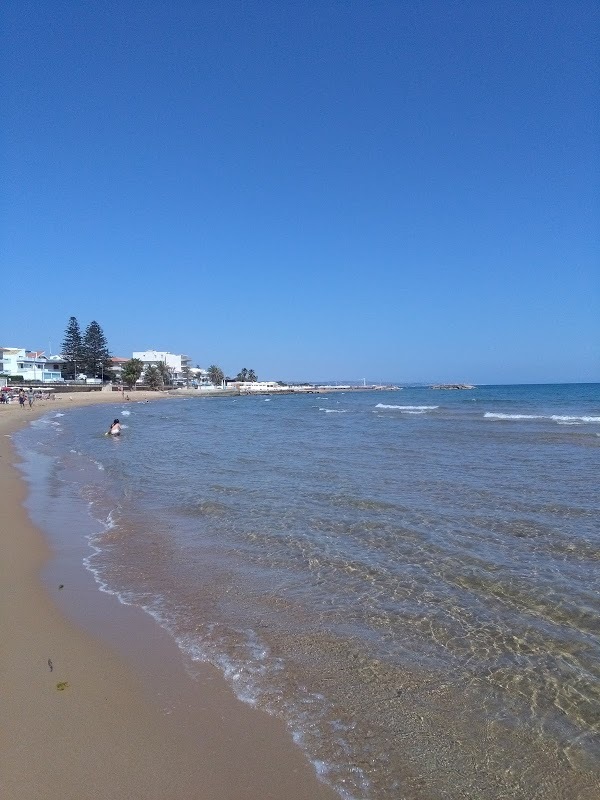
156, 376
88, 353
217, 376
85, 353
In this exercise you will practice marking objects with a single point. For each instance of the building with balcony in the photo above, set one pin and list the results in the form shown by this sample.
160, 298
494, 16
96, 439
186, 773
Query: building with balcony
117, 363
33, 366
199, 377
177, 364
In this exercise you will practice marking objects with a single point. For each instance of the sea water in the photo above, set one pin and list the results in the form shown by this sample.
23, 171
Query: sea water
409, 578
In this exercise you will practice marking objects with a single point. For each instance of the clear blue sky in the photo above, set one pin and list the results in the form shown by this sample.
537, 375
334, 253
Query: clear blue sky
393, 190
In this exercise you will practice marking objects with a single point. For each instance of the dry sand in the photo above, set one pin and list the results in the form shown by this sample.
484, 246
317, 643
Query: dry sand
131, 722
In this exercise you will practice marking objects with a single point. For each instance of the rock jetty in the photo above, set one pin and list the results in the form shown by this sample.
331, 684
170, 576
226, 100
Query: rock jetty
453, 386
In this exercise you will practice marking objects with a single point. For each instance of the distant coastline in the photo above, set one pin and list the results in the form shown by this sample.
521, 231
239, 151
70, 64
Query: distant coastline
271, 388
453, 386
229, 391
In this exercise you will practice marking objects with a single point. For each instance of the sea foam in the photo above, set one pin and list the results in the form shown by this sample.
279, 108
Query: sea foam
407, 408
560, 418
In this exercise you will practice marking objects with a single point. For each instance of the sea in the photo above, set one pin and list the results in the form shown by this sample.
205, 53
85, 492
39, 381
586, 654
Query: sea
409, 578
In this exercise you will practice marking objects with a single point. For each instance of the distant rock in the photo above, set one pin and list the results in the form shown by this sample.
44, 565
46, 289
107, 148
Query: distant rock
453, 386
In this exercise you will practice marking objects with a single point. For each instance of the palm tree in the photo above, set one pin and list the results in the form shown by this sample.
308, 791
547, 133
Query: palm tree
252, 376
132, 371
216, 375
164, 372
152, 377
242, 375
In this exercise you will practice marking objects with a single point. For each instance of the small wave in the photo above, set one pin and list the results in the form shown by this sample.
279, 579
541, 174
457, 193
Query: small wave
59, 414
558, 418
204, 508
333, 410
418, 409
489, 415
562, 419
39, 423
125, 412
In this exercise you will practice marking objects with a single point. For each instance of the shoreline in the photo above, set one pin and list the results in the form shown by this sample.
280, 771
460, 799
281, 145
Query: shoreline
131, 721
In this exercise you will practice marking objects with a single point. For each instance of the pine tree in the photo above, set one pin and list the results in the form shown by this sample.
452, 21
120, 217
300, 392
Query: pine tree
72, 349
95, 351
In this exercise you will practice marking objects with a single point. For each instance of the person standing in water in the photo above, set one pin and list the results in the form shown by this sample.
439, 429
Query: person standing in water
114, 429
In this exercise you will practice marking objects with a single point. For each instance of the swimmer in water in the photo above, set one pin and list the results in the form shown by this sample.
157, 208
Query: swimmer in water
115, 429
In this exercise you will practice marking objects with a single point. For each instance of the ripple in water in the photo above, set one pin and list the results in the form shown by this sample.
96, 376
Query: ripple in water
417, 599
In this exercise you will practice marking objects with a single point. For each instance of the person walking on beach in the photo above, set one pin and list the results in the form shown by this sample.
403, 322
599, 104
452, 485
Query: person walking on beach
22, 398
30, 398
114, 429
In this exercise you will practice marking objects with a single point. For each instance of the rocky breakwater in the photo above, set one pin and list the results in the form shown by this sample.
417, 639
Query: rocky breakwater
453, 386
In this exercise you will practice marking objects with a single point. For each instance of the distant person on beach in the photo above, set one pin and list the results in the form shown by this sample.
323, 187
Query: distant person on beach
22, 398
30, 397
115, 429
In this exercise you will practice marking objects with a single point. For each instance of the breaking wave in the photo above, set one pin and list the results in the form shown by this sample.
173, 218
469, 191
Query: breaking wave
407, 408
560, 418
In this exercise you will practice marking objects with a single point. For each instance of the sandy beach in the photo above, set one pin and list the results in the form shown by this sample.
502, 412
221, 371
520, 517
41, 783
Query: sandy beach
96, 700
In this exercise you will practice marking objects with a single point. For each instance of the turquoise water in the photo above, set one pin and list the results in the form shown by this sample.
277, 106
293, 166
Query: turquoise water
409, 578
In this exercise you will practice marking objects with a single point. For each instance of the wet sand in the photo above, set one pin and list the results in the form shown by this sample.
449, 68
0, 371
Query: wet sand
96, 701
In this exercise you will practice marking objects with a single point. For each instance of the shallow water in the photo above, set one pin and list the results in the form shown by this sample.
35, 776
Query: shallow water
409, 578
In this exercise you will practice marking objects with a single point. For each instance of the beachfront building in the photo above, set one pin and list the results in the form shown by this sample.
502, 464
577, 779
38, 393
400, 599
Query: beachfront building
177, 364
117, 364
248, 387
199, 377
33, 365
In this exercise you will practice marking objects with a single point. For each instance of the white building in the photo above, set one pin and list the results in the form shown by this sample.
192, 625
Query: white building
199, 377
117, 367
248, 387
176, 364
31, 365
